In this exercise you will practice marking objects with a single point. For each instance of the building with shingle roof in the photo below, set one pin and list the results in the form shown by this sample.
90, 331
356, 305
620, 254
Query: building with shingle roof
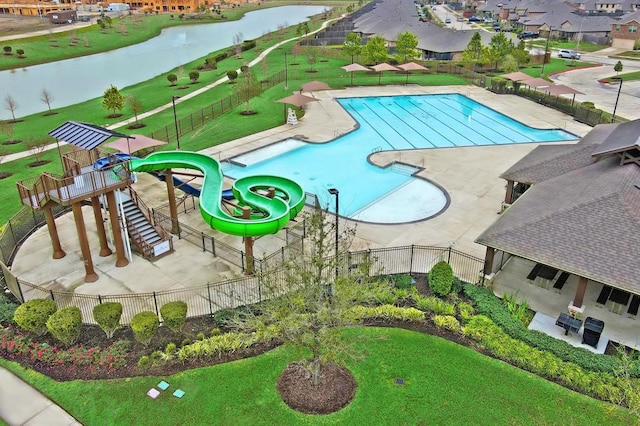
579, 211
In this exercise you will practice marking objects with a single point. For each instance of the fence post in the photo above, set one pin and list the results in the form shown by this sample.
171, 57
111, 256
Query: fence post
100, 299
411, 260
202, 236
282, 251
449, 256
213, 246
209, 297
155, 302
51, 293
242, 260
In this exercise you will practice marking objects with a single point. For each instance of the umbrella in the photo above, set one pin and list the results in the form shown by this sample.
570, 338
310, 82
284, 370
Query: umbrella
383, 67
351, 68
411, 66
314, 86
134, 143
517, 76
561, 89
297, 99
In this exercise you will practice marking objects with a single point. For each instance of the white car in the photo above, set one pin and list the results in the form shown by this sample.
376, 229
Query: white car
568, 54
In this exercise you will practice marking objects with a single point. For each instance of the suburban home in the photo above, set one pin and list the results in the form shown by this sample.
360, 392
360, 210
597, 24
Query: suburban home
624, 32
573, 214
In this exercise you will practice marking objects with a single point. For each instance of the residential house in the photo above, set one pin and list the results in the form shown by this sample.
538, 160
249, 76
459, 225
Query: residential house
624, 32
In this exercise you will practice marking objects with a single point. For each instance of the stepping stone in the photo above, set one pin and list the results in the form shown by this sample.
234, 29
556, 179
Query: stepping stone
179, 393
163, 385
153, 393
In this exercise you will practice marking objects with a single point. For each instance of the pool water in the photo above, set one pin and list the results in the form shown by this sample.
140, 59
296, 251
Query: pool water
388, 195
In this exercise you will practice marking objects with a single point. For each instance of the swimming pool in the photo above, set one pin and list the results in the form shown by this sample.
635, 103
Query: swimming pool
393, 194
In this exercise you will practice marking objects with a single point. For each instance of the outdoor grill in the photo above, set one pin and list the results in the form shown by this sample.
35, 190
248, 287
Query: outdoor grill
592, 331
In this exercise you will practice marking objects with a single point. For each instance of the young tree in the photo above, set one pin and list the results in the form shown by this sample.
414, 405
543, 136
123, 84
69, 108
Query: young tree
353, 45
11, 105
36, 147
194, 76
7, 128
312, 57
45, 96
473, 52
247, 87
618, 67
172, 78
375, 51
136, 107
509, 64
499, 46
406, 44
232, 75
113, 100
521, 54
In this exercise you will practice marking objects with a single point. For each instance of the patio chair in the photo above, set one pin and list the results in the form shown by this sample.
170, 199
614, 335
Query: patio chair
560, 282
634, 305
534, 272
604, 295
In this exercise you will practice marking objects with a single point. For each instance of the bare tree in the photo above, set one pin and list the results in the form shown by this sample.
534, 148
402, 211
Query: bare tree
11, 105
136, 108
6, 127
36, 147
237, 43
45, 96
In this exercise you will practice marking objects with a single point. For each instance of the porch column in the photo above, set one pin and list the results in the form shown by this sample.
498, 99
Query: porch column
102, 234
582, 288
121, 258
58, 253
488, 261
173, 208
90, 274
508, 196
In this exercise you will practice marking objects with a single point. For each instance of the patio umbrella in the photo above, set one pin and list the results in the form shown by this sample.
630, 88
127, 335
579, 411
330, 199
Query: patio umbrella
383, 67
134, 143
517, 76
411, 66
561, 89
314, 86
351, 68
297, 99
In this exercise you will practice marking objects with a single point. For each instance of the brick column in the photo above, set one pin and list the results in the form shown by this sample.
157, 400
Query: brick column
582, 288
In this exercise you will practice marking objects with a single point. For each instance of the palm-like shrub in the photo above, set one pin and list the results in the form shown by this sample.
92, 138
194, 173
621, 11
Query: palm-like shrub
108, 315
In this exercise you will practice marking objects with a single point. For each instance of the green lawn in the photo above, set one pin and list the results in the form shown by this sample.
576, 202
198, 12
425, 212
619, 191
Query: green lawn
444, 384
630, 76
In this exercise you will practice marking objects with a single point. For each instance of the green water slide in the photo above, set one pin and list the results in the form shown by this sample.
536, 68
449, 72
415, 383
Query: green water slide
250, 191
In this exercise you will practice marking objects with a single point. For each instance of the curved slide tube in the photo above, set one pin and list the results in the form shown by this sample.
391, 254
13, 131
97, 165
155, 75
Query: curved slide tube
287, 203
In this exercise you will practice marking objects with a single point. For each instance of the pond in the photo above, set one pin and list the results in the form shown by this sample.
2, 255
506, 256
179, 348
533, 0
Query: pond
77, 80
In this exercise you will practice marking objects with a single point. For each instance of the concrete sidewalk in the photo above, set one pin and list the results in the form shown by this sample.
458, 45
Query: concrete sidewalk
21, 404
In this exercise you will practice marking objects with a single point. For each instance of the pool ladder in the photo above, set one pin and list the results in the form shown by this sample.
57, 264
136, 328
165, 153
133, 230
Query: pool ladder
376, 149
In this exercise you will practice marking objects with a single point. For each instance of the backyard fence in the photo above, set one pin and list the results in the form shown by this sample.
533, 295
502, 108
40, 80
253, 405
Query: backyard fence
211, 297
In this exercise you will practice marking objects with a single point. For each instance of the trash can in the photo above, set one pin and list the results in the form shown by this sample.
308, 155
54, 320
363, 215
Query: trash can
592, 331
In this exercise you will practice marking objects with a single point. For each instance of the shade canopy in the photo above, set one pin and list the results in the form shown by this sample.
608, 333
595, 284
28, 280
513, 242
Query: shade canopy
134, 143
536, 82
355, 67
83, 135
297, 99
412, 66
384, 67
561, 89
517, 76
314, 86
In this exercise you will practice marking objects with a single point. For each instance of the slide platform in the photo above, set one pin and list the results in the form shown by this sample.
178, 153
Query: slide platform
288, 202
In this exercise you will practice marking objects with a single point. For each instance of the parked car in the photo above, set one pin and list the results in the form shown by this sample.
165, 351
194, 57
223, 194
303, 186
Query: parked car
528, 34
489, 20
475, 18
447, 21
568, 54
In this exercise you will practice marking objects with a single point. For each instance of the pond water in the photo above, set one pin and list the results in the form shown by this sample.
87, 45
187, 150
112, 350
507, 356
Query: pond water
77, 80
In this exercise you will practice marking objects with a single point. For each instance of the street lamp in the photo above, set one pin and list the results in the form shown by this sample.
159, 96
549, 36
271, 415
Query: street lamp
336, 193
286, 76
613, 116
546, 50
175, 118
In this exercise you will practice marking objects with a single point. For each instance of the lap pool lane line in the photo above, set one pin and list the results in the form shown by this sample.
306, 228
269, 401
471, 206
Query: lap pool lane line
288, 202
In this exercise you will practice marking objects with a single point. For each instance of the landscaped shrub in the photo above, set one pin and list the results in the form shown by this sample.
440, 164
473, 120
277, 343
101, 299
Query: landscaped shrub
7, 310
400, 281
488, 304
389, 312
20, 53
248, 44
588, 104
221, 56
194, 76
232, 75
33, 315
144, 362
174, 315
434, 305
441, 278
7, 50
144, 326
66, 324
108, 315
448, 322
172, 78
465, 310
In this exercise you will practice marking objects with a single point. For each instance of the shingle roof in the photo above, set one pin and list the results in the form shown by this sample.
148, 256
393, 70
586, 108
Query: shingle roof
625, 136
585, 221
83, 135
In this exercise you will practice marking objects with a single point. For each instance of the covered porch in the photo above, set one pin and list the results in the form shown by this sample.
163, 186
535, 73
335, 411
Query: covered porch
620, 326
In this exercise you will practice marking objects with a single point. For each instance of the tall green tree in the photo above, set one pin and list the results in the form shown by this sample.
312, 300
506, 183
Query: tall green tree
113, 100
499, 47
521, 54
406, 44
473, 52
375, 51
353, 45
247, 88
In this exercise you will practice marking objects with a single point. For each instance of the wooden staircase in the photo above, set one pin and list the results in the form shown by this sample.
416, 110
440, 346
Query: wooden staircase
150, 240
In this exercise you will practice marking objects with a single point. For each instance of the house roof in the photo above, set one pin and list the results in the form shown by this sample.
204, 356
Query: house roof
629, 17
626, 136
585, 221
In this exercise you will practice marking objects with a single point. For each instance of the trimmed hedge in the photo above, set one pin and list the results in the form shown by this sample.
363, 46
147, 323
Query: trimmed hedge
144, 326
174, 315
488, 304
441, 278
108, 315
33, 315
66, 324
7, 310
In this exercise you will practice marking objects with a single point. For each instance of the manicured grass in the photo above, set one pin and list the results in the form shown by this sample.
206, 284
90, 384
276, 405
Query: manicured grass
585, 46
630, 76
555, 65
444, 384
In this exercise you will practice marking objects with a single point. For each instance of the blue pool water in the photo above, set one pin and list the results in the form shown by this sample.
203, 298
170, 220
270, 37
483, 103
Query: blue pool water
387, 123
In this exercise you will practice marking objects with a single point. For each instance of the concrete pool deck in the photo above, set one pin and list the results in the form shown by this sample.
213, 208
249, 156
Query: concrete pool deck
469, 175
